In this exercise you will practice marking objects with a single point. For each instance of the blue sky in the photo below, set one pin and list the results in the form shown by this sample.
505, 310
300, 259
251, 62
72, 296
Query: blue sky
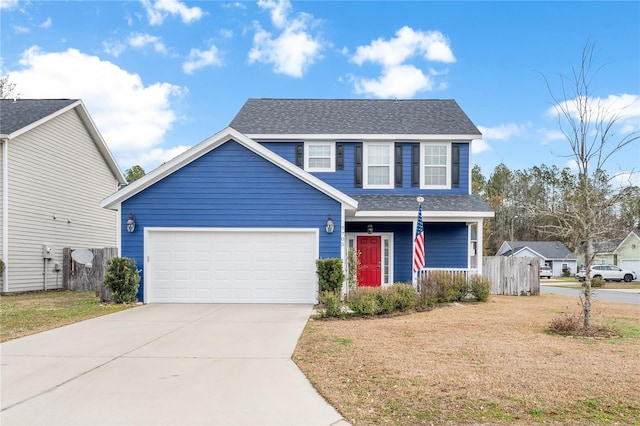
159, 76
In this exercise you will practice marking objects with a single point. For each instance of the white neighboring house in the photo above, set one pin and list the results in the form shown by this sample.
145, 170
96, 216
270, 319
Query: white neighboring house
56, 168
551, 253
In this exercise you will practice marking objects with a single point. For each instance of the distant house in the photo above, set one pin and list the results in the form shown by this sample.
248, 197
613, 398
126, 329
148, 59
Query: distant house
56, 168
624, 253
552, 253
243, 216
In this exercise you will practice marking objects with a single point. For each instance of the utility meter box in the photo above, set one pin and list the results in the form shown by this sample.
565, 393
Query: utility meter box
47, 251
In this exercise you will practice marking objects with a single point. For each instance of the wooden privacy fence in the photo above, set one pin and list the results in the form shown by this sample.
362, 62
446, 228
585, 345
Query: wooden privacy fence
90, 276
513, 276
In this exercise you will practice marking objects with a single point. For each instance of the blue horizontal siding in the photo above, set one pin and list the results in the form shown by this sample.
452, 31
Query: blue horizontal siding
446, 245
230, 187
344, 179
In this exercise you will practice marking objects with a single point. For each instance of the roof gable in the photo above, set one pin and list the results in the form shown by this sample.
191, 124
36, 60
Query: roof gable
353, 117
207, 146
21, 115
546, 249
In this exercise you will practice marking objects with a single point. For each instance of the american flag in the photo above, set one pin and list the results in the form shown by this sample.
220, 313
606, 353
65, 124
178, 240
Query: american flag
418, 246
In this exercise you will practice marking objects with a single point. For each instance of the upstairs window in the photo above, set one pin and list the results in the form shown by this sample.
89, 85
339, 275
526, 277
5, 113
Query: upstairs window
435, 166
378, 165
319, 156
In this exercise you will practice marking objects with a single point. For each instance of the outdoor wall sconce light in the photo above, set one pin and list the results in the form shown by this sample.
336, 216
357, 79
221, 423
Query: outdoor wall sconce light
369, 229
131, 223
329, 226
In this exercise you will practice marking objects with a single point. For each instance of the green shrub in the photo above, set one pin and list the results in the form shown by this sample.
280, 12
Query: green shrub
1, 267
122, 279
364, 301
330, 274
404, 297
480, 287
330, 305
441, 287
353, 264
597, 282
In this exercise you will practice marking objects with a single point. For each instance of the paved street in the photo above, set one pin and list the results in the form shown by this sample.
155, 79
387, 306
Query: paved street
610, 295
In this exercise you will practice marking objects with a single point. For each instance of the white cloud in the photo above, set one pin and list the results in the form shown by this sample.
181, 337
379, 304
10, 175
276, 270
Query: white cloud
479, 145
402, 81
399, 78
20, 29
200, 59
431, 45
625, 108
153, 157
132, 117
8, 4
113, 48
503, 131
624, 179
294, 49
158, 10
46, 24
142, 40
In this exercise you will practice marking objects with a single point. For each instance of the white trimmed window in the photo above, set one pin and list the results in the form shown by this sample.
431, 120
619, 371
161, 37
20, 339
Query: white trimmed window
320, 156
435, 166
378, 165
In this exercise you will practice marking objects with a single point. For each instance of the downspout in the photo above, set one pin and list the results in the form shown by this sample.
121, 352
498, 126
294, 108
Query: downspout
5, 213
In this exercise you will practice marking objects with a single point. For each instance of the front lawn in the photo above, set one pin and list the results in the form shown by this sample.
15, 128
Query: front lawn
486, 363
30, 313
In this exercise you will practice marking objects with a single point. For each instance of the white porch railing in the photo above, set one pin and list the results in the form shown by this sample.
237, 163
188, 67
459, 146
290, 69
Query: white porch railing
466, 272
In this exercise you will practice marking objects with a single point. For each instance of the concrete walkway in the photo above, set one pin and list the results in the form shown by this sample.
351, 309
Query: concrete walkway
165, 365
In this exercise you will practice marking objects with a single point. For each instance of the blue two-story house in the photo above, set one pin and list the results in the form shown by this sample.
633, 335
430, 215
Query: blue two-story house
242, 216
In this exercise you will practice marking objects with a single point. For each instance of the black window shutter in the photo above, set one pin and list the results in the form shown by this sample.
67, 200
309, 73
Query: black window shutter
398, 166
357, 170
340, 156
455, 166
300, 155
415, 165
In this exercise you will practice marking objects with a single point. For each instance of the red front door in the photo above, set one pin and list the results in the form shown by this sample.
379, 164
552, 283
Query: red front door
369, 273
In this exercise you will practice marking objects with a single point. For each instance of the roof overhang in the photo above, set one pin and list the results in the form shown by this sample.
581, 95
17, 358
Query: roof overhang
220, 138
363, 137
427, 216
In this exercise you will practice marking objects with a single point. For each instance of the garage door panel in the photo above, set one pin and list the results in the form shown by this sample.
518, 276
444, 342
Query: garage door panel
230, 266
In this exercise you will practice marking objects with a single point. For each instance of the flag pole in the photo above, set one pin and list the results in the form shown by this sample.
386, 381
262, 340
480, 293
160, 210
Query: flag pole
418, 245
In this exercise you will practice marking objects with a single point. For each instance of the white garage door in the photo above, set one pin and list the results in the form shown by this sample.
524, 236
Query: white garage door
230, 266
633, 265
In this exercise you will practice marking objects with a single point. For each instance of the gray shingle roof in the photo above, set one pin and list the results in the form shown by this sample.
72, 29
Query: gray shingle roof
547, 249
353, 116
14, 115
457, 203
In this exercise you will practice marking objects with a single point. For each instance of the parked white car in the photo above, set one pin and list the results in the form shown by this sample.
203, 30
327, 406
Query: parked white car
608, 273
546, 271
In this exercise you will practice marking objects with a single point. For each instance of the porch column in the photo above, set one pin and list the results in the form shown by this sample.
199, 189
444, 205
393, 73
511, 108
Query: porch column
479, 245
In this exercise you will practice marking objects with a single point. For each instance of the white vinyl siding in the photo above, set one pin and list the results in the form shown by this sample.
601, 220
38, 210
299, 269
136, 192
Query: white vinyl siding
56, 170
435, 166
319, 156
378, 165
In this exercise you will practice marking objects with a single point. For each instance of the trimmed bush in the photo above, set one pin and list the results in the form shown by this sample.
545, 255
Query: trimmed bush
363, 301
122, 279
330, 305
480, 287
596, 282
441, 287
1, 267
404, 297
330, 274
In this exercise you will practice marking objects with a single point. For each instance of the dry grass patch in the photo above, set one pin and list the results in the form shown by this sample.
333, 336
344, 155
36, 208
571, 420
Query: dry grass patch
30, 313
490, 363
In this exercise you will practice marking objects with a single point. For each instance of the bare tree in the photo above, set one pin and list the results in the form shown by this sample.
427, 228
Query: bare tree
7, 88
588, 125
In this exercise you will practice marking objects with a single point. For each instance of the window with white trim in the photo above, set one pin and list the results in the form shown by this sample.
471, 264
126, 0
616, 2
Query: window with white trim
435, 166
320, 156
378, 165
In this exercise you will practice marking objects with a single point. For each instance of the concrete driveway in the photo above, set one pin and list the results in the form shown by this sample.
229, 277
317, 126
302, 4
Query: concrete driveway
165, 365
